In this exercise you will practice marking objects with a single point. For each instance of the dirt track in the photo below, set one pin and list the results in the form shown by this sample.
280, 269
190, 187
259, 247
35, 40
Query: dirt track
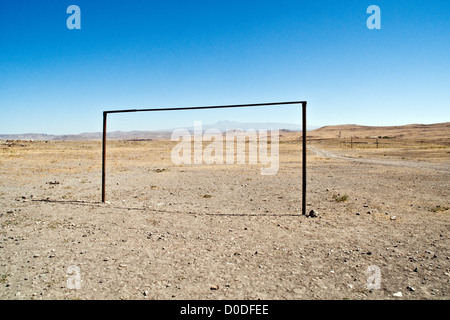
397, 163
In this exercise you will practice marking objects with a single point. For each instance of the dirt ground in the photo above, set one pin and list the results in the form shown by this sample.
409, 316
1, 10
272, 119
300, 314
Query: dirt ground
225, 231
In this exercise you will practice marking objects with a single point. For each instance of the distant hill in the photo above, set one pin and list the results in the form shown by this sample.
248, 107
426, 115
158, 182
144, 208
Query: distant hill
160, 134
437, 131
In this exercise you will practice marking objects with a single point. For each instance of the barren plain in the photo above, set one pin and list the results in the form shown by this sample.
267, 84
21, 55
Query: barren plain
226, 231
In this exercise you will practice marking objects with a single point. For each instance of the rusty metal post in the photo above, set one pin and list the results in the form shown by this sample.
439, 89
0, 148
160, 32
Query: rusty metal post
105, 114
304, 159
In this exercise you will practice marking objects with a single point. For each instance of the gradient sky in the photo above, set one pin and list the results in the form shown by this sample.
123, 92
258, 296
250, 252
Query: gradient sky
144, 54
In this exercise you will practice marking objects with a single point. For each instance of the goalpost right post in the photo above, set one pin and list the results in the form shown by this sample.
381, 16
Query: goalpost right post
304, 158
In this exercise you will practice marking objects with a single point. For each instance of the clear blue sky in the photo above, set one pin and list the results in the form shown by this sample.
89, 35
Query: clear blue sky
143, 54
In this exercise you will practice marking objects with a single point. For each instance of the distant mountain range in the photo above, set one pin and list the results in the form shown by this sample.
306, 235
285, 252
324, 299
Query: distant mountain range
233, 125
158, 134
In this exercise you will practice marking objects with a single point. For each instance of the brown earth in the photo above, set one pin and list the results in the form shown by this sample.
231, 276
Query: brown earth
226, 231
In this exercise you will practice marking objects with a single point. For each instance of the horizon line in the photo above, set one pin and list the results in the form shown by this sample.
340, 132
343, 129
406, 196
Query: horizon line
311, 128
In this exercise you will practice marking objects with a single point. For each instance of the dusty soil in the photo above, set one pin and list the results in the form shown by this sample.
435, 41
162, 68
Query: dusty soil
225, 231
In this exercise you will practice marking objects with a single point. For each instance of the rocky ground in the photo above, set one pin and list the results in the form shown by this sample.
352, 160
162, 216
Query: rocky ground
220, 231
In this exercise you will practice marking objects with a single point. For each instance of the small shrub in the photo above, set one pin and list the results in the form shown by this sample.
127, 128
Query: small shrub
4, 278
439, 208
340, 198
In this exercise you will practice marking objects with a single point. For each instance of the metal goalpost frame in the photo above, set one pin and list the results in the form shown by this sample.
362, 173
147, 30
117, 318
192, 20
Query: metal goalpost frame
303, 103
